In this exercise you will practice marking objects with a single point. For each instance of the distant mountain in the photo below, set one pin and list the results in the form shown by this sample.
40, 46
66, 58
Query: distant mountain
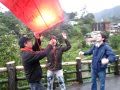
112, 14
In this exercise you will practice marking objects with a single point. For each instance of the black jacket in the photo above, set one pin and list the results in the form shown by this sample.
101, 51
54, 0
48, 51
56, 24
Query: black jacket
54, 58
30, 60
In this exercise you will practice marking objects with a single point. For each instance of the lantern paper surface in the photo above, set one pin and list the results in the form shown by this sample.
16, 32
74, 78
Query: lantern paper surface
38, 15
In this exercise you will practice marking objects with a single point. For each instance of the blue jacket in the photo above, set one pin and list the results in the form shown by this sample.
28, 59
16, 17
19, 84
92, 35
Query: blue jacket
103, 51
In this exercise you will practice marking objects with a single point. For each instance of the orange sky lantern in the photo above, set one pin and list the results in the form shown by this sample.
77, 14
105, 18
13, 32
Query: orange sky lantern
38, 15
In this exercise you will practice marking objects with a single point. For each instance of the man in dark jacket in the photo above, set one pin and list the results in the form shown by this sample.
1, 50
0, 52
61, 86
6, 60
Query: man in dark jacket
54, 63
31, 55
102, 55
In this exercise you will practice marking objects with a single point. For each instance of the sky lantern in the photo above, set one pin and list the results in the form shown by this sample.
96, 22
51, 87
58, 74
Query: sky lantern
38, 15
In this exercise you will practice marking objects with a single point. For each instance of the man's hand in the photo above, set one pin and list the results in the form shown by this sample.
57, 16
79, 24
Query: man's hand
104, 61
41, 37
51, 42
81, 53
64, 35
37, 35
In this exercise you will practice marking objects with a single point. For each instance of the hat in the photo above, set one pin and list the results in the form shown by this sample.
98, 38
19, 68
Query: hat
22, 41
53, 37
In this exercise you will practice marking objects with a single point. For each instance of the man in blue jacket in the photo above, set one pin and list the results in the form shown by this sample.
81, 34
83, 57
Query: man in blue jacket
102, 55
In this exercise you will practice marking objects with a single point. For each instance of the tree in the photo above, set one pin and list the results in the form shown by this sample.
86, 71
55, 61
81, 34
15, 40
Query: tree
86, 22
72, 15
115, 41
88, 19
10, 31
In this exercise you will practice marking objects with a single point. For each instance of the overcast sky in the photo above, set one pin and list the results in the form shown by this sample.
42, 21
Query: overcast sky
92, 6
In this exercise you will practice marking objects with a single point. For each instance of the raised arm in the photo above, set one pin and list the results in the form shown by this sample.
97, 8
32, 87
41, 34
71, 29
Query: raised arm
68, 45
37, 55
37, 44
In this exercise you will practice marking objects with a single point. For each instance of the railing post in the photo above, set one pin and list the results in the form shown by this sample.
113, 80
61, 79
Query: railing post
65, 78
109, 69
12, 84
117, 66
89, 67
79, 70
54, 85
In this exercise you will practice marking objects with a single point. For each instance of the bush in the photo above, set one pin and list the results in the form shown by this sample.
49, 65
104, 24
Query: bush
115, 41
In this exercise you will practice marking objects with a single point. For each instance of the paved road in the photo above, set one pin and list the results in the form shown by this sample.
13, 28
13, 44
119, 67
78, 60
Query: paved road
112, 83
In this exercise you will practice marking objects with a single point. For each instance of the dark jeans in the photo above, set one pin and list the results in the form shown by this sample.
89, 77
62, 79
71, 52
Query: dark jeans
101, 75
37, 86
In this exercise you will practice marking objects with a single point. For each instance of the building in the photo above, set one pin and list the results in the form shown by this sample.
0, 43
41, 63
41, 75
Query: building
101, 26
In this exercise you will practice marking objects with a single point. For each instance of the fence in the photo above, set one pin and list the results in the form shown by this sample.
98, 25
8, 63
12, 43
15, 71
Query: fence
12, 79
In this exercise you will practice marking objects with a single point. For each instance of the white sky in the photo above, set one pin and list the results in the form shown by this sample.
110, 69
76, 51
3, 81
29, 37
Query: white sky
91, 5
76, 5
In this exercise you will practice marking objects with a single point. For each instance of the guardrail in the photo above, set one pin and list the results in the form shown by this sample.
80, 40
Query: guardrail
12, 70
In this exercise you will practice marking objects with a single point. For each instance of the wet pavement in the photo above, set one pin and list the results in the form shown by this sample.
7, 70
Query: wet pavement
112, 83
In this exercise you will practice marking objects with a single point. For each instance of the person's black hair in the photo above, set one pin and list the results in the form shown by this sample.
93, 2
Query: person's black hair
53, 37
22, 41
